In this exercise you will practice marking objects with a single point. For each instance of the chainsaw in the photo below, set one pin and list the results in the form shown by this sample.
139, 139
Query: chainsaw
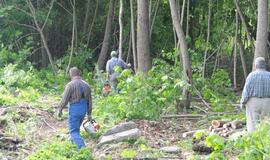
91, 126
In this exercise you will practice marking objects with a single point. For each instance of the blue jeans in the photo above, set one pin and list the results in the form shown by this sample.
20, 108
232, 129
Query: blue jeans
77, 112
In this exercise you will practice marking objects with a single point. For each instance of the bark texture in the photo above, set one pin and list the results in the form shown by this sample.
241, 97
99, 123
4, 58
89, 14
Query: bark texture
143, 45
262, 34
184, 54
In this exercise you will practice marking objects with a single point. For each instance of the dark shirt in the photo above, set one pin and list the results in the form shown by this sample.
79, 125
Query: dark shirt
75, 90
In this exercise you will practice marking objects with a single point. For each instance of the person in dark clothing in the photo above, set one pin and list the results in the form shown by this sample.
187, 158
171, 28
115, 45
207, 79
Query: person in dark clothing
77, 95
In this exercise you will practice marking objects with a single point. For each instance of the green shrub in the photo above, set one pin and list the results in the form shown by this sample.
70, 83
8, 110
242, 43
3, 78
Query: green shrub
144, 97
255, 146
128, 153
217, 90
58, 150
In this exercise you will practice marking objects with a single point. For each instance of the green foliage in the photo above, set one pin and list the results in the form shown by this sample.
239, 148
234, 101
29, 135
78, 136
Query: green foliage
217, 90
13, 77
62, 150
144, 97
200, 134
7, 56
128, 153
216, 155
215, 141
256, 145
82, 58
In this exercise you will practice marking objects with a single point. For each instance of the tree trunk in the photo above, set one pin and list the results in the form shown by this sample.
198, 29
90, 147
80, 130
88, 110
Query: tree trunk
154, 18
262, 34
235, 51
73, 35
244, 66
107, 38
129, 47
87, 14
44, 56
187, 25
182, 12
143, 45
244, 23
121, 9
40, 30
135, 63
184, 54
207, 38
92, 24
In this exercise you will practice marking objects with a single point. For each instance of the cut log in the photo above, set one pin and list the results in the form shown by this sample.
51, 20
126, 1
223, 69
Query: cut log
227, 125
228, 133
236, 124
216, 130
218, 123
210, 128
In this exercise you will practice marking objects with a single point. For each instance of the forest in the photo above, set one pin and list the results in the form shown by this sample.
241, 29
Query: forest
180, 97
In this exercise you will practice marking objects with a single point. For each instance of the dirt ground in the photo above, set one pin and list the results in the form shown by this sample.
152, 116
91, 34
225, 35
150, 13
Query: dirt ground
165, 132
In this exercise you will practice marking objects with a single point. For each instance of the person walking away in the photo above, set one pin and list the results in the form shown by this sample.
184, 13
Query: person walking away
256, 95
110, 68
77, 94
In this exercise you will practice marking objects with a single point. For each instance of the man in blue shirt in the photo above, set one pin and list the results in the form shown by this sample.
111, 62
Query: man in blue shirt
256, 94
110, 68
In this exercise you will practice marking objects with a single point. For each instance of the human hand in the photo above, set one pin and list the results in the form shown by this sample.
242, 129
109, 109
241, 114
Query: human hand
89, 117
242, 106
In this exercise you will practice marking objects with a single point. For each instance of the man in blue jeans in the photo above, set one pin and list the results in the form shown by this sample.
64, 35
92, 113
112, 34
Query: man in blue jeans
78, 95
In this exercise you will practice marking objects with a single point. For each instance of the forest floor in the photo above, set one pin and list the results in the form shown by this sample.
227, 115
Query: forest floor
35, 124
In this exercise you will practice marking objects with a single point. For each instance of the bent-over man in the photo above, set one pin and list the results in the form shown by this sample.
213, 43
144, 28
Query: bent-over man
256, 95
78, 95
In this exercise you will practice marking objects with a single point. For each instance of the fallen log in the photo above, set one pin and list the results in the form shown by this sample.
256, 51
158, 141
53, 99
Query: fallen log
183, 116
218, 123
215, 130
227, 125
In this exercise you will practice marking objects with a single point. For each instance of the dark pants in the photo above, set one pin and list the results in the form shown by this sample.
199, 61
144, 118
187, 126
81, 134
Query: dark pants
77, 112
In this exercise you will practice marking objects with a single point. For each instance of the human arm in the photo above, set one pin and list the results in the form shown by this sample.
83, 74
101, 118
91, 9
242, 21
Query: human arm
108, 70
90, 105
65, 99
246, 92
125, 65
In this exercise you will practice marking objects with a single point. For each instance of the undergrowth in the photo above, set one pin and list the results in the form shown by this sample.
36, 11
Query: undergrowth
61, 150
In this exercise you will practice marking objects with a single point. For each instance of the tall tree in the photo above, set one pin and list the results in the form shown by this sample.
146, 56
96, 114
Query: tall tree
121, 10
107, 38
143, 45
244, 66
92, 23
184, 54
262, 34
135, 62
40, 29
74, 25
235, 52
208, 37
236, 2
